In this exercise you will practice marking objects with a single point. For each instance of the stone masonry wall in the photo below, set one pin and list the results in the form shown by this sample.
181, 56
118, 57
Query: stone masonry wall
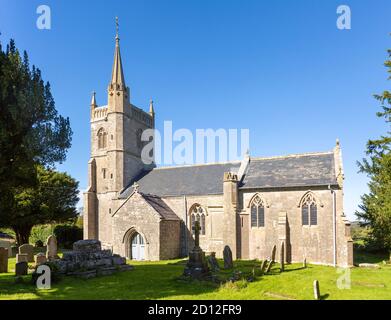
212, 241
313, 242
169, 239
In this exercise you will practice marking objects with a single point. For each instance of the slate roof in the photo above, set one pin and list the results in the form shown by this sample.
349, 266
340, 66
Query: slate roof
160, 207
291, 171
303, 170
184, 180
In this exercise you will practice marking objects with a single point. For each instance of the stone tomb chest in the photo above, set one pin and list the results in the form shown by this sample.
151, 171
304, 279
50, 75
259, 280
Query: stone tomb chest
88, 260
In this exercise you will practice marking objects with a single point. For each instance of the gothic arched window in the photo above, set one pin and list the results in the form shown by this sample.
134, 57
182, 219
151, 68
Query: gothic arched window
257, 212
197, 213
139, 133
102, 139
309, 210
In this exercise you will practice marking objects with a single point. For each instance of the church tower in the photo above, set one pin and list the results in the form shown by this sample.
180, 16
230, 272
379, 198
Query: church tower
116, 147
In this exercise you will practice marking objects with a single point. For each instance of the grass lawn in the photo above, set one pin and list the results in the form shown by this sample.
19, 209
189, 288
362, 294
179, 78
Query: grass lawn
159, 280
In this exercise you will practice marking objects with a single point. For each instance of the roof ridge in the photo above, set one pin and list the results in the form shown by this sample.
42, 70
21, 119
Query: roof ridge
197, 165
294, 155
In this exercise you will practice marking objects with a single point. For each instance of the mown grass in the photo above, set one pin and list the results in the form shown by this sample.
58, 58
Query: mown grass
161, 280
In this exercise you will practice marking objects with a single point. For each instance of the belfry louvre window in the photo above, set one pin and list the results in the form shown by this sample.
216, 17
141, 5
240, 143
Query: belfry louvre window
309, 211
102, 139
197, 213
257, 213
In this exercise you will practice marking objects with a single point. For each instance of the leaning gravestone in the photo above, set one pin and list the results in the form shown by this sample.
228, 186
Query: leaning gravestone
227, 253
316, 290
3, 260
214, 265
274, 253
29, 250
51, 248
21, 257
282, 257
40, 258
263, 266
21, 268
269, 266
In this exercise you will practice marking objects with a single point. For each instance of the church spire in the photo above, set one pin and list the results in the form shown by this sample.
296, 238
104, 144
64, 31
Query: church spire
117, 76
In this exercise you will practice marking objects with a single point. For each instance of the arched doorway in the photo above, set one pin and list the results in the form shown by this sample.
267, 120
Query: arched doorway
137, 247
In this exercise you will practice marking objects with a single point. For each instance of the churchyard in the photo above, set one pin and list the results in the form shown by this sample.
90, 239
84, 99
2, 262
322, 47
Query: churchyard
163, 280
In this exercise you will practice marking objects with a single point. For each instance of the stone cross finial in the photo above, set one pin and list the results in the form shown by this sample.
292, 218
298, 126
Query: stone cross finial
197, 229
136, 186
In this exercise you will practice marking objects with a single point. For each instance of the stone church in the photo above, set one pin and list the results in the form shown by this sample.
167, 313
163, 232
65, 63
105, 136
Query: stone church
147, 213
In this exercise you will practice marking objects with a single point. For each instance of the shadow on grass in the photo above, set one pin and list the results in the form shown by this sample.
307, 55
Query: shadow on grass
146, 281
369, 257
324, 296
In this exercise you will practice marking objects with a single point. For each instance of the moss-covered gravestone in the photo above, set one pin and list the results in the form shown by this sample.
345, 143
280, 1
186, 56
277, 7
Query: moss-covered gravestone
29, 250
227, 254
51, 248
21, 268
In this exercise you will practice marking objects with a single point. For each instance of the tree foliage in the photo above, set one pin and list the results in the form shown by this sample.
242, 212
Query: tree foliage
52, 199
31, 130
375, 209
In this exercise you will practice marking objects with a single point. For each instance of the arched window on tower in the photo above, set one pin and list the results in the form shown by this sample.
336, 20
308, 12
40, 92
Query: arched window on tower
309, 210
197, 213
257, 212
102, 139
140, 143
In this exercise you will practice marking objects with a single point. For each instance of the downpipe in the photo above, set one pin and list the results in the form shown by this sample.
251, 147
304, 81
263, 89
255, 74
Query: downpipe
334, 227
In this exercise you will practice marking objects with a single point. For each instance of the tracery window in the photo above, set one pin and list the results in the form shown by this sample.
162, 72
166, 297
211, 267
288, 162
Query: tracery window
257, 212
197, 213
309, 210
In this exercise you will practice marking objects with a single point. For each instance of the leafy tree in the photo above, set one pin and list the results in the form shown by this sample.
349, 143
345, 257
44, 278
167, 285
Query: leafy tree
375, 209
31, 130
52, 199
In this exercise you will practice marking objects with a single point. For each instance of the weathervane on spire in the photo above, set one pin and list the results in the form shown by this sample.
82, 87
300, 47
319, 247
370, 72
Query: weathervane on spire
116, 27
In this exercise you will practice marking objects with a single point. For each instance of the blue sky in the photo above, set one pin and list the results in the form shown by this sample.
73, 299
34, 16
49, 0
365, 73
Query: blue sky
280, 68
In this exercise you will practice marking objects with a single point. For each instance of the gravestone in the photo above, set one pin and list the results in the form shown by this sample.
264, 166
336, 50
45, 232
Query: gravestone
316, 290
51, 248
3, 260
214, 265
269, 266
21, 268
282, 257
305, 263
7, 244
274, 253
263, 266
227, 254
21, 257
40, 258
197, 267
29, 250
